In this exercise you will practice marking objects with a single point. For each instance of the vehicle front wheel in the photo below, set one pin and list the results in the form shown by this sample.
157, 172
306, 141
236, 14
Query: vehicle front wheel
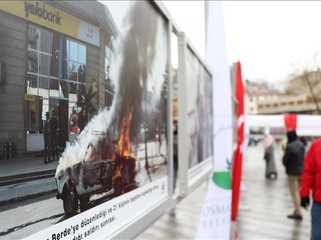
70, 201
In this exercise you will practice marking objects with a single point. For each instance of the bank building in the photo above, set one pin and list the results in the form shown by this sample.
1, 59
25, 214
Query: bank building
51, 54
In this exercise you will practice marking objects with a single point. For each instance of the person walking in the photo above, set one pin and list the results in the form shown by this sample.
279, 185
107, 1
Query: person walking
270, 169
53, 135
311, 180
293, 162
175, 165
46, 135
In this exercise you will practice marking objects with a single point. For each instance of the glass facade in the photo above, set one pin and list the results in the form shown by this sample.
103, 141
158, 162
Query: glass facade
56, 68
109, 85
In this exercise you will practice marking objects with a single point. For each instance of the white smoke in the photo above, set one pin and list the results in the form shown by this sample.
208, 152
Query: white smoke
78, 152
96, 129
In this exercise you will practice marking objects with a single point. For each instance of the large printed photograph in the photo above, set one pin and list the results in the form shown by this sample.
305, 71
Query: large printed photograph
199, 111
123, 147
99, 107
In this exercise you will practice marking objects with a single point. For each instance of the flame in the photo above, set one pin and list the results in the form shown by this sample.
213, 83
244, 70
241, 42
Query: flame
124, 145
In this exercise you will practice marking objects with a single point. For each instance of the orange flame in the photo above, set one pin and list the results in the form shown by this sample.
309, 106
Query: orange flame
124, 145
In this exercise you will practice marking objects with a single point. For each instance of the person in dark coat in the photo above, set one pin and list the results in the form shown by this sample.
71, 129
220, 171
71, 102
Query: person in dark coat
175, 164
46, 136
270, 169
293, 162
53, 135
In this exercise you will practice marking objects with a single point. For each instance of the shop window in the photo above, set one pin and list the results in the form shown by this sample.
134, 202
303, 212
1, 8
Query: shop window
82, 54
32, 85
44, 64
43, 87
39, 50
72, 88
72, 50
54, 88
73, 71
56, 70
33, 37
33, 62
45, 40
109, 86
76, 61
72, 97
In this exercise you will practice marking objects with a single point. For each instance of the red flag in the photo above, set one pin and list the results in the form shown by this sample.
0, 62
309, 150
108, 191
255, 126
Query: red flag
238, 154
290, 121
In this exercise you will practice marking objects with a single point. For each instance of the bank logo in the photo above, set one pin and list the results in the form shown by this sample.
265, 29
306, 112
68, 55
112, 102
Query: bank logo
41, 11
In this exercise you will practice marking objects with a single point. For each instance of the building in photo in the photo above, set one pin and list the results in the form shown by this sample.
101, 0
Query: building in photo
54, 56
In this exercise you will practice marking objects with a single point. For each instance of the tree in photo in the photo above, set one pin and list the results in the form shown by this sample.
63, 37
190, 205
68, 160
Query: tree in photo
85, 102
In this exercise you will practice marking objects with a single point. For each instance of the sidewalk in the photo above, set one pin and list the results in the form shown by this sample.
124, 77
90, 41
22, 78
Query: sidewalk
263, 207
24, 164
22, 167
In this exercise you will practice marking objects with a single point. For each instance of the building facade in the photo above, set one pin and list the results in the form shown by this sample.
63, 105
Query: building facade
53, 55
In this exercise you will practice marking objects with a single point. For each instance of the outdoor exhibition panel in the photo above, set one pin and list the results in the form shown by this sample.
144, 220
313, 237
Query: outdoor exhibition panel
113, 179
195, 118
103, 70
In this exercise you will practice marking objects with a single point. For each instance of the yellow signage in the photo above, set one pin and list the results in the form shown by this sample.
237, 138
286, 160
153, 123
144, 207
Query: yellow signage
30, 97
44, 15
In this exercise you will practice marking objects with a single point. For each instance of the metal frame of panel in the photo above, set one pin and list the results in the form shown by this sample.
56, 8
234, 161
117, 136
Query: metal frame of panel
187, 184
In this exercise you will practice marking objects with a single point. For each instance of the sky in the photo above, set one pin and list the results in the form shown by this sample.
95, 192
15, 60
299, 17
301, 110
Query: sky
271, 39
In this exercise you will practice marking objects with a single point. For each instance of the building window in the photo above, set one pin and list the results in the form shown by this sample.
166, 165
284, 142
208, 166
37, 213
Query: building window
39, 50
109, 85
76, 61
56, 67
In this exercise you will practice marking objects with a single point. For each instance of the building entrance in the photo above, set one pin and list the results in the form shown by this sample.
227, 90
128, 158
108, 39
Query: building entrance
61, 108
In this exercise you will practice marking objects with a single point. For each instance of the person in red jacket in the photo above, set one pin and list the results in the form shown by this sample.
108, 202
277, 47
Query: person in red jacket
311, 180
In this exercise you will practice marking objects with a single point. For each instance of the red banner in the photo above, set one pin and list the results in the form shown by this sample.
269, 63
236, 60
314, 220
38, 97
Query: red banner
238, 154
290, 121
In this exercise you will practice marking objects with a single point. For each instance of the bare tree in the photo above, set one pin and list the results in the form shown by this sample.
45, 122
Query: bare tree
306, 79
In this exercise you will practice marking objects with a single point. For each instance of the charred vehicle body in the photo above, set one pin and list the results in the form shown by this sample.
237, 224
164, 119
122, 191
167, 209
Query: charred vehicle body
109, 177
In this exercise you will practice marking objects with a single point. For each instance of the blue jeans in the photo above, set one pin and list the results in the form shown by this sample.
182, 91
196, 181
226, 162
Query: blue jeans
316, 221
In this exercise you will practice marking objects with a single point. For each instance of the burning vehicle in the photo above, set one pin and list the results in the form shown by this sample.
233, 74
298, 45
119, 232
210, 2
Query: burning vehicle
107, 170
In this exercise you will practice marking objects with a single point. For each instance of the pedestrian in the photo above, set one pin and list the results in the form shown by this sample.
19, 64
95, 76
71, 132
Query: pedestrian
303, 140
270, 166
74, 122
175, 164
175, 158
311, 180
53, 135
293, 162
46, 136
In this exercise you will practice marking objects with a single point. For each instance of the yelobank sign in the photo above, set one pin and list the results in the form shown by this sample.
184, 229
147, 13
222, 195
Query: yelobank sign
53, 18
